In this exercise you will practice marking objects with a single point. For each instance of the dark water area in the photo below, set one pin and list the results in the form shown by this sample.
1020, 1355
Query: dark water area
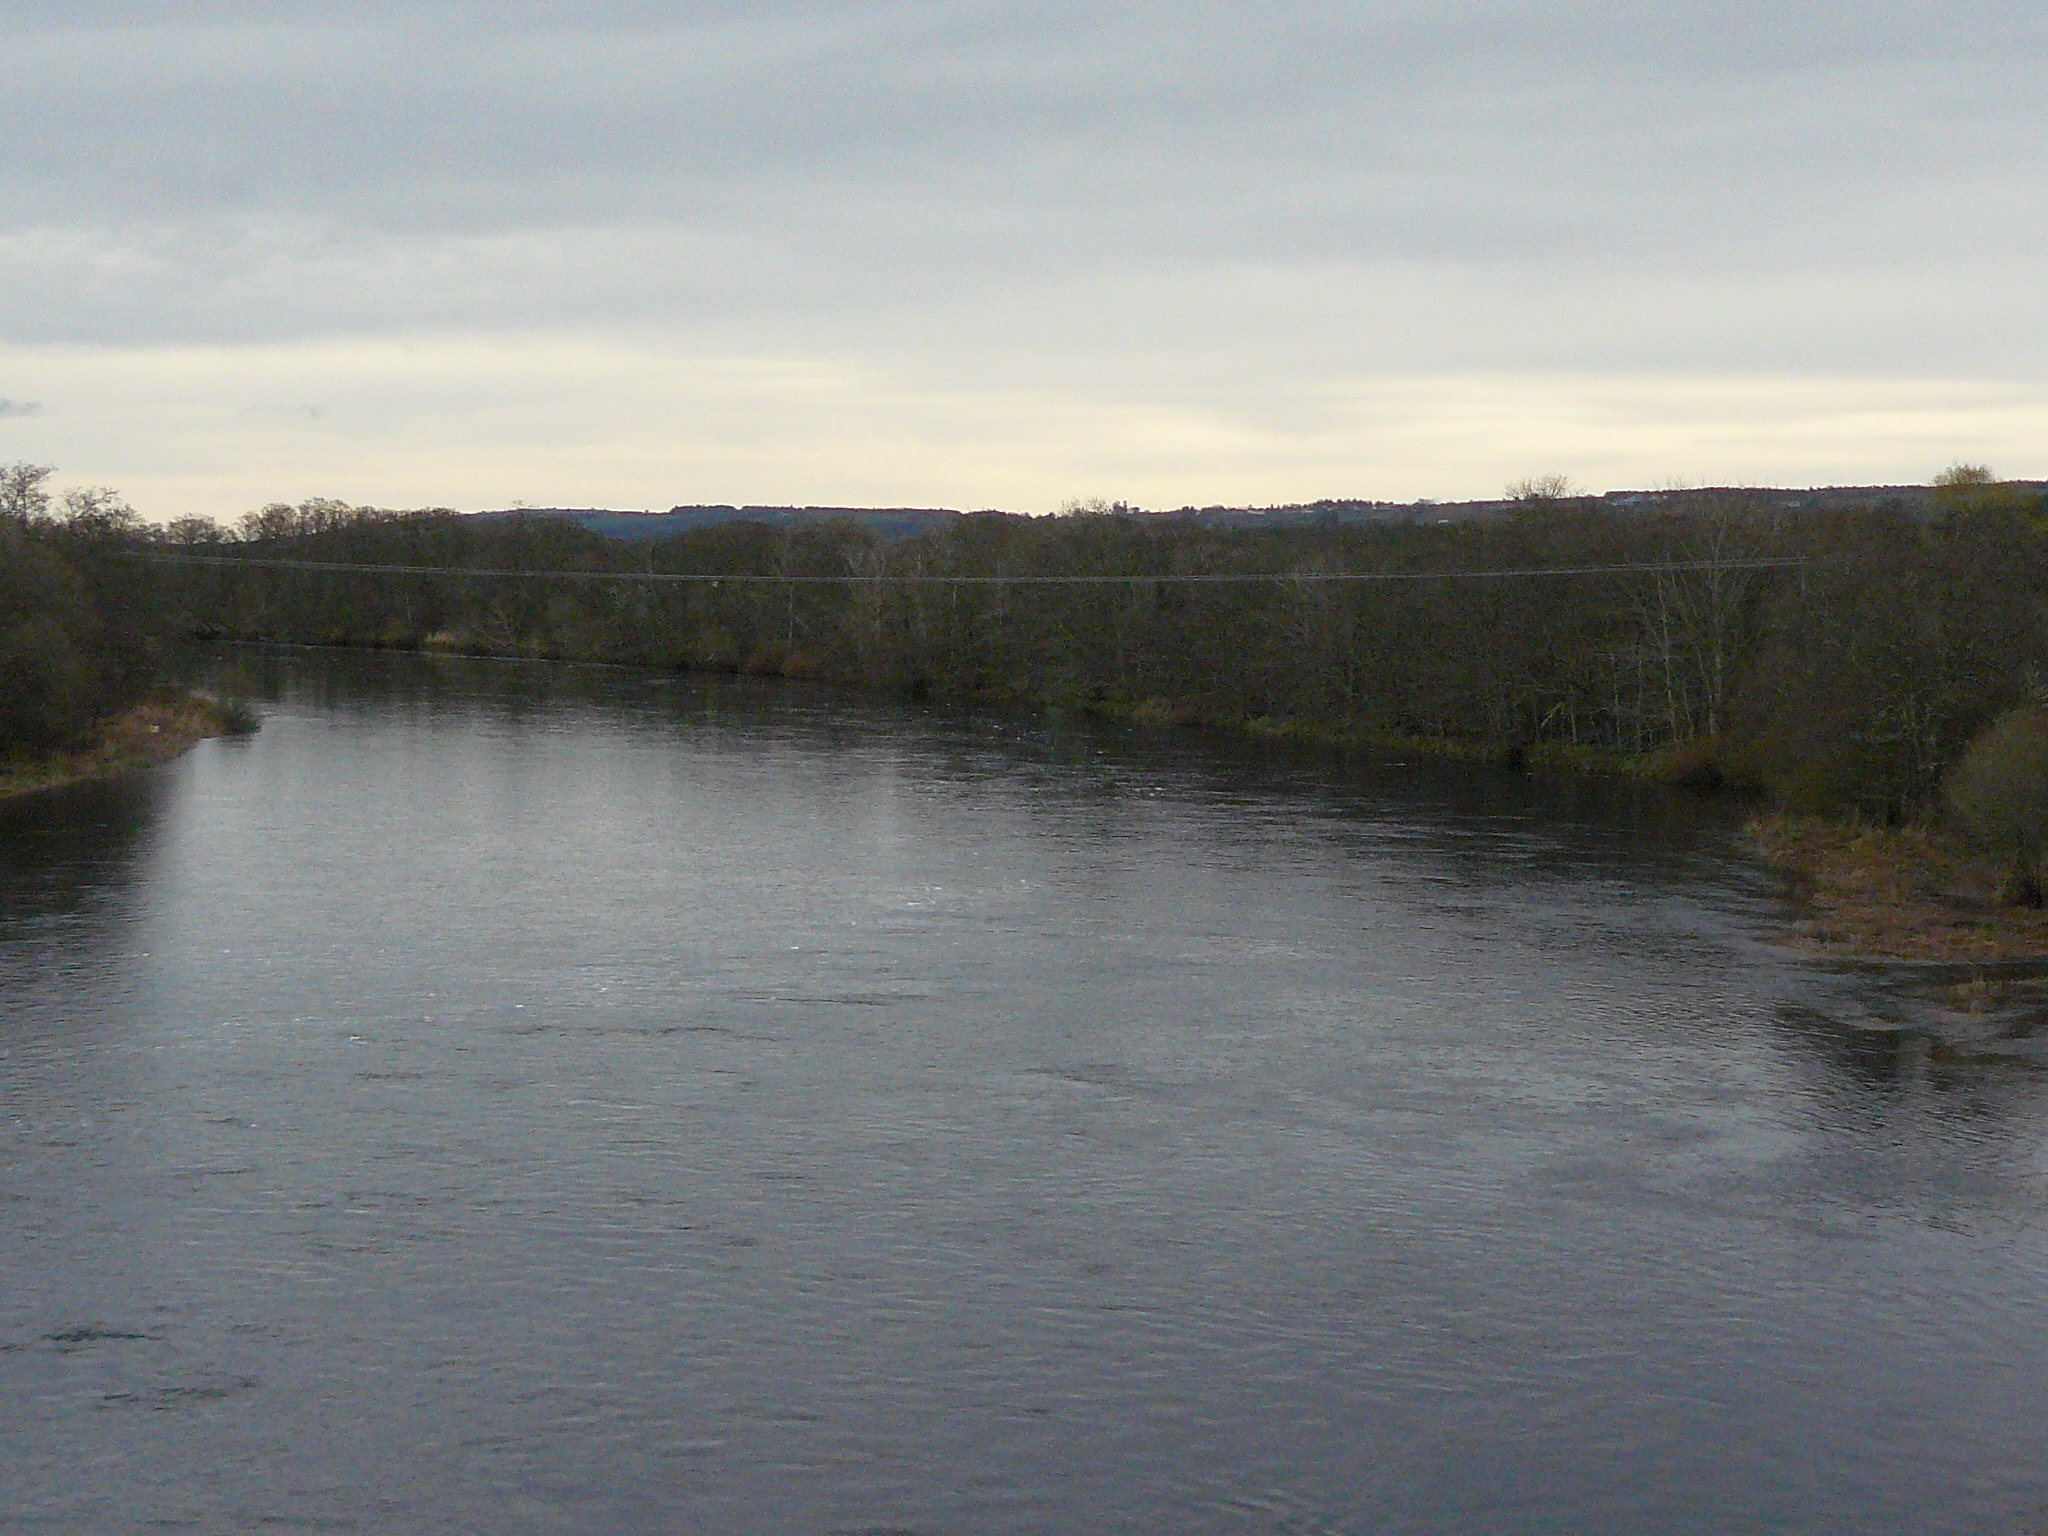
506, 1098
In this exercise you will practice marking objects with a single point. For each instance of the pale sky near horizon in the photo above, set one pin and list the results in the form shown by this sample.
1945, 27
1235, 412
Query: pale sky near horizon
960, 253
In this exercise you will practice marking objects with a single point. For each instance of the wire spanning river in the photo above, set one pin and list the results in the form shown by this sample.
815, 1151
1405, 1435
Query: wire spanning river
522, 1099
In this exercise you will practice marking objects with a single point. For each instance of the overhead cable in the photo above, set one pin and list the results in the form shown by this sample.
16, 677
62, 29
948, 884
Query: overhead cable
854, 578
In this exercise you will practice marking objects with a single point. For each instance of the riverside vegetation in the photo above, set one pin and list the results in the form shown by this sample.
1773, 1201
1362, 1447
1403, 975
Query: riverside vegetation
82, 638
1837, 663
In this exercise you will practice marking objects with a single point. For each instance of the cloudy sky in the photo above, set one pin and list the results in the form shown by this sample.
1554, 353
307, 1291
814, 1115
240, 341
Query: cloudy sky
969, 253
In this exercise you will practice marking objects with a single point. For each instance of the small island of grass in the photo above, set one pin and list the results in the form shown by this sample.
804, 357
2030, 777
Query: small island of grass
1897, 893
161, 726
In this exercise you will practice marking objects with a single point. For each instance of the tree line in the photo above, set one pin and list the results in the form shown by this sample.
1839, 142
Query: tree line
1840, 659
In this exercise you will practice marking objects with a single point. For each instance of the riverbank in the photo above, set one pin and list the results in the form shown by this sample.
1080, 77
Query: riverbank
1895, 893
164, 725
1690, 765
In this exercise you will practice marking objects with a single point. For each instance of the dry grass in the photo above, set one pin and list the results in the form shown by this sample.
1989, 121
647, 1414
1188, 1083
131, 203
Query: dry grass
1906, 893
158, 729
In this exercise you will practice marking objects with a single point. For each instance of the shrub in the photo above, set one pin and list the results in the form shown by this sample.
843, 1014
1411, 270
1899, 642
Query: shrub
238, 717
1998, 792
47, 677
45, 685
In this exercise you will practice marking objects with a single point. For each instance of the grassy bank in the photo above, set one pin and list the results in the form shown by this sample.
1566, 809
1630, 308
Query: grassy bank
1689, 765
162, 726
1898, 893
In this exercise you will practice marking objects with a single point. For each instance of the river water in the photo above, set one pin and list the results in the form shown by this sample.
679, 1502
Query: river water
506, 1098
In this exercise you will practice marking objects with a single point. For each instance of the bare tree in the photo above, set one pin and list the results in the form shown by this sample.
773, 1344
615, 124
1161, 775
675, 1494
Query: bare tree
23, 497
1540, 489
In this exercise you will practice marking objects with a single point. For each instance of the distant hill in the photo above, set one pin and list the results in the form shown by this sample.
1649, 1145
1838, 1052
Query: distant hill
885, 522
1915, 499
909, 522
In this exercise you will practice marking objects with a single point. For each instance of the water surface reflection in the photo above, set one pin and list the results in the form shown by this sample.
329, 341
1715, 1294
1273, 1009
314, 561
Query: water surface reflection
519, 1098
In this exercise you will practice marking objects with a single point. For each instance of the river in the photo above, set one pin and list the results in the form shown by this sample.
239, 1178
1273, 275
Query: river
517, 1098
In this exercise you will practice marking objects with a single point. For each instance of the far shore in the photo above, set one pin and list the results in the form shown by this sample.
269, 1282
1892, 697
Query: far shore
164, 725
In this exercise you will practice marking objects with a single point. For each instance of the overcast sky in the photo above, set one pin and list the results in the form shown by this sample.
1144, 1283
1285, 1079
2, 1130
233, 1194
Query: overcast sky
975, 254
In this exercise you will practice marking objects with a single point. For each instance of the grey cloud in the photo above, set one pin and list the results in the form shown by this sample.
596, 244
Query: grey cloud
446, 119
1582, 185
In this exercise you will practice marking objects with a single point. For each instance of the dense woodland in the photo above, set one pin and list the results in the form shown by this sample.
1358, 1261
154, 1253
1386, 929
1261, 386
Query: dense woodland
1848, 678
82, 625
